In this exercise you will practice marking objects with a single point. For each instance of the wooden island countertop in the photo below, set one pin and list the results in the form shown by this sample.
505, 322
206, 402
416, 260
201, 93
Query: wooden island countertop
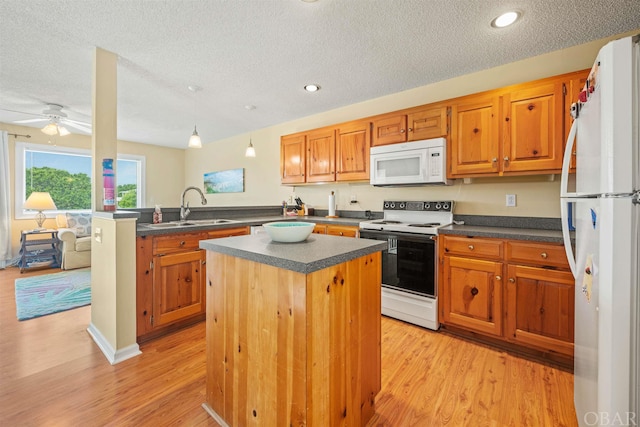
293, 330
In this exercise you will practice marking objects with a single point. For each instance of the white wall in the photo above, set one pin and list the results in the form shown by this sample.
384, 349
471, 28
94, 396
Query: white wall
537, 196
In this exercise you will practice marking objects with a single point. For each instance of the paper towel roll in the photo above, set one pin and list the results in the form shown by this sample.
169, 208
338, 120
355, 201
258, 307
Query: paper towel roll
332, 204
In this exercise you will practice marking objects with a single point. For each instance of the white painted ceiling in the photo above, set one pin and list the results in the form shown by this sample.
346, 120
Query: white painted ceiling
262, 53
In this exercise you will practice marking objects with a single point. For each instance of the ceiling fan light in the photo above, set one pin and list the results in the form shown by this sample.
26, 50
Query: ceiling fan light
195, 141
50, 129
63, 131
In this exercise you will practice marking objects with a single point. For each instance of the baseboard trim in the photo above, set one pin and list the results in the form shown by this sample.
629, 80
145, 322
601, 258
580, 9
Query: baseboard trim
112, 355
214, 415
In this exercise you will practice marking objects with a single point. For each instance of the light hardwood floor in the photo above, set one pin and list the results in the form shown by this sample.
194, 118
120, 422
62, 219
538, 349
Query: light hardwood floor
52, 374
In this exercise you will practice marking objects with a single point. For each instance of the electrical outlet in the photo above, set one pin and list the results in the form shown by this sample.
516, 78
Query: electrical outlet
354, 199
511, 200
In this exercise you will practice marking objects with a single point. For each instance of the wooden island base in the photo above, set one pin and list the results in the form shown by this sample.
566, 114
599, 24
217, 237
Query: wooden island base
291, 349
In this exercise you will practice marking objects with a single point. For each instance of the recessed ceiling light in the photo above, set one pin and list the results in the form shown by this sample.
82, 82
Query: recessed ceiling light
312, 88
505, 19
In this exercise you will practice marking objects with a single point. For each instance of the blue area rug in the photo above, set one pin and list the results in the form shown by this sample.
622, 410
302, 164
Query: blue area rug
51, 293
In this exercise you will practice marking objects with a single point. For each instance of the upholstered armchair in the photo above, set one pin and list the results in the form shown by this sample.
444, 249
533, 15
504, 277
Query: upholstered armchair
74, 233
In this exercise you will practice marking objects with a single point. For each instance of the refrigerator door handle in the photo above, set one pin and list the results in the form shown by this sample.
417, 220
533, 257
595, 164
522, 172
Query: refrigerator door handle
566, 161
566, 237
564, 182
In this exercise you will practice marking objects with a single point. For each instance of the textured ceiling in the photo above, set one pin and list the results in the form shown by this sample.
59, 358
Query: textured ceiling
262, 53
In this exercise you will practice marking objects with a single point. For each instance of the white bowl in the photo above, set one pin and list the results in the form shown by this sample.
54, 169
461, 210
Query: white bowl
289, 231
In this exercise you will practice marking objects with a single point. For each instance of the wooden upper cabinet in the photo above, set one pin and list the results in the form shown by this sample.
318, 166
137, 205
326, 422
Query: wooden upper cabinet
390, 130
475, 136
292, 158
353, 141
426, 124
532, 128
321, 155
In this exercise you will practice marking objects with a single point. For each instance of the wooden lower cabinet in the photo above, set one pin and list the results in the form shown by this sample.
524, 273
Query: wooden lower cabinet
519, 293
540, 310
170, 280
474, 294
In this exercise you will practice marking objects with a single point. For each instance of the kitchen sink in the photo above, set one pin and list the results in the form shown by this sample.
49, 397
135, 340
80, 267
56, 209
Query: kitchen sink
192, 223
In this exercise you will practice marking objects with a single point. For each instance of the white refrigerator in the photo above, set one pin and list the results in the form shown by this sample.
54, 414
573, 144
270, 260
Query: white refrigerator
607, 216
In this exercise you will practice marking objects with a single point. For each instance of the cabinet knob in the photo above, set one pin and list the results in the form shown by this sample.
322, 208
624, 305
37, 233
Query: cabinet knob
474, 291
471, 247
498, 278
402, 130
182, 243
494, 160
341, 233
512, 280
544, 255
410, 129
506, 158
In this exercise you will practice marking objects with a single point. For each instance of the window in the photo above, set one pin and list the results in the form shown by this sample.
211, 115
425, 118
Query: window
65, 173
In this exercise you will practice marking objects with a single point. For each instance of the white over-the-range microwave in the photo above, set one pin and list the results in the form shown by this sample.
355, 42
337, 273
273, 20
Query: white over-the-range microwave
410, 163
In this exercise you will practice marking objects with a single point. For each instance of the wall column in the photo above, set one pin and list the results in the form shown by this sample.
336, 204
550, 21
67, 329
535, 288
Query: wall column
113, 265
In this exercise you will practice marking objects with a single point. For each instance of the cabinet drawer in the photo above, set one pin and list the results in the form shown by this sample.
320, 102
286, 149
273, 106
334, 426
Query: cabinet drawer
177, 242
346, 231
537, 253
228, 232
472, 246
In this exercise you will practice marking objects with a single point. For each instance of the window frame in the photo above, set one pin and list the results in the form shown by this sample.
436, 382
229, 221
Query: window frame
20, 180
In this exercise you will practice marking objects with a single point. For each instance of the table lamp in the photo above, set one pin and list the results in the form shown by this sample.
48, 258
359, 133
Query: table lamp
39, 201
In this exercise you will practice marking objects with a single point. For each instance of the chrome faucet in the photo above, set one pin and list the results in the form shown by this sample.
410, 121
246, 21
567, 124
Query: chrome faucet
184, 210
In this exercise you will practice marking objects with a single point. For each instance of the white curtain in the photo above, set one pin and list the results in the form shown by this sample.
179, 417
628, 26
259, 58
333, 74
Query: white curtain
5, 201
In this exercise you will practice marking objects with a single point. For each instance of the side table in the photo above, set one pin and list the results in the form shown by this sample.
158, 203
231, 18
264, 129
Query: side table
39, 248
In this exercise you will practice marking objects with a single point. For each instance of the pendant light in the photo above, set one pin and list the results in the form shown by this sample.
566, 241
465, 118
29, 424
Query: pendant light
194, 140
250, 152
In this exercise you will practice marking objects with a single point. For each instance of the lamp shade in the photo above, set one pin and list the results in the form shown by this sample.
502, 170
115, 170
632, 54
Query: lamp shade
39, 201
195, 141
250, 151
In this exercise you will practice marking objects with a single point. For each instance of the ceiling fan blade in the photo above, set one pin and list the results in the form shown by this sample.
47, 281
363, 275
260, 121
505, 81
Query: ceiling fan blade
76, 126
77, 122
21, 112
32, 120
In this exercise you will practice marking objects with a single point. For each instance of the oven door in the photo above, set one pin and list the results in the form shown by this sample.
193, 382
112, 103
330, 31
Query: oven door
408, 263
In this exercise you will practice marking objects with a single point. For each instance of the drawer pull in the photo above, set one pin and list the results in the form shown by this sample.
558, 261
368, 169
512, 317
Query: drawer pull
182, 243
498, 278
544, 255
474, 291
512, 280
471, 247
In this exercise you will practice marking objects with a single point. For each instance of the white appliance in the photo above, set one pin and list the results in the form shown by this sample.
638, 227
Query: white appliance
409, 264
409, 163
607, 210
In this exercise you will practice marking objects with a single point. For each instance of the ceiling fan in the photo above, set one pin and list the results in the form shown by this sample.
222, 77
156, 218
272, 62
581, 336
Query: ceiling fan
57, 120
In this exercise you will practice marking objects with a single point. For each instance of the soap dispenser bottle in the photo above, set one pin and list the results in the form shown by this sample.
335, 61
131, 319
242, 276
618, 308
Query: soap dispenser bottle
157, 215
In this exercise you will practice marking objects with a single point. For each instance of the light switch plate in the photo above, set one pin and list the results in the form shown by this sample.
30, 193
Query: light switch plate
511, 200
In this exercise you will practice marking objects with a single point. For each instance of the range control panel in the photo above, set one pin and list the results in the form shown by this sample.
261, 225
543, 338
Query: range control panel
438, 206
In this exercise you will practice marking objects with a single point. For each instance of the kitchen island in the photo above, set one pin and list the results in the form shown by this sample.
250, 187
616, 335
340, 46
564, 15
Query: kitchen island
293, 330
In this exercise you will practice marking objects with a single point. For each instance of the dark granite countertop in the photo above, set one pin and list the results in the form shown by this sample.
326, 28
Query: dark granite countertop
532, 234
144, 230
319, 251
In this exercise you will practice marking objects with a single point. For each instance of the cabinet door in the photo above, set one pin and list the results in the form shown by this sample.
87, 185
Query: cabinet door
321, 155
390, 130
292, 158
475, 137
473, 294
178, 287
353, 141
342, 230
320, 229
532, 131
540, 308
425, 124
